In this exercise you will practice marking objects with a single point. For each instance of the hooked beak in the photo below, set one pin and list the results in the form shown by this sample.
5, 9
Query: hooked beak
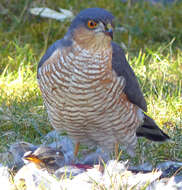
109, 33
109, 30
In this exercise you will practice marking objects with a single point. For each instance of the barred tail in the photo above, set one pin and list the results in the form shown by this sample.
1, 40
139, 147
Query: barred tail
151, 131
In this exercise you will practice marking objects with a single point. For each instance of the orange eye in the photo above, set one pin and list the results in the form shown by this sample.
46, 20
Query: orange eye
91, 24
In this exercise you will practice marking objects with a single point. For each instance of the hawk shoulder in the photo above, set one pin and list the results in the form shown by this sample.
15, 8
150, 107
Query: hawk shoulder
51, 51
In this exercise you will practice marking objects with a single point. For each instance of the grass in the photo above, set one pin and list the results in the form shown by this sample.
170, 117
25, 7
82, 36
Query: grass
151, 37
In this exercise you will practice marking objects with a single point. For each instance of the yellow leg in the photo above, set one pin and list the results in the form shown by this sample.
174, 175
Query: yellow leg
76, 148
116, 150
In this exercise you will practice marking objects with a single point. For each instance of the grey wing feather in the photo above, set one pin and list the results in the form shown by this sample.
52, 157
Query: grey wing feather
122, 68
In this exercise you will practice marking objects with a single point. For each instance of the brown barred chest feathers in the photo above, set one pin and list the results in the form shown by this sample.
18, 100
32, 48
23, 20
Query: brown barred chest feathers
81, 91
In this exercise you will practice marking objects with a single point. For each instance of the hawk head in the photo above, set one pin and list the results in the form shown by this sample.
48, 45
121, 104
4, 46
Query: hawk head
92, 28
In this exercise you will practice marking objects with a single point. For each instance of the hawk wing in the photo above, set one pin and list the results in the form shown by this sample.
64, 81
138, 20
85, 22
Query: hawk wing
122, 68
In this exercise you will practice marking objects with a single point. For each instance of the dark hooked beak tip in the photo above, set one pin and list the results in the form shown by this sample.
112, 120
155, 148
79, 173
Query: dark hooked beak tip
109, 32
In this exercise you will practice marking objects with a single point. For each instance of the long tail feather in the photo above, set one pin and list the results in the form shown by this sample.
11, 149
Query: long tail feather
151, 131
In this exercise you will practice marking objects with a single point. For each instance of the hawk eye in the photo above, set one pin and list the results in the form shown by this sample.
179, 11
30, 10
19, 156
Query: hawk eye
91, 24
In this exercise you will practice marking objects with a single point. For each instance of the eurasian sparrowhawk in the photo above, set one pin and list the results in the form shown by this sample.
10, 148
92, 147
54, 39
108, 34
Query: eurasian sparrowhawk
89, 89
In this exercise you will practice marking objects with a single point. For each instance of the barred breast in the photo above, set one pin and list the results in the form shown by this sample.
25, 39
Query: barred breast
85, 98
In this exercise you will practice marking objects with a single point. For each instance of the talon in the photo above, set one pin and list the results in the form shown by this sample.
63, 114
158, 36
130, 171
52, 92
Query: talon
76, 148
116, 150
